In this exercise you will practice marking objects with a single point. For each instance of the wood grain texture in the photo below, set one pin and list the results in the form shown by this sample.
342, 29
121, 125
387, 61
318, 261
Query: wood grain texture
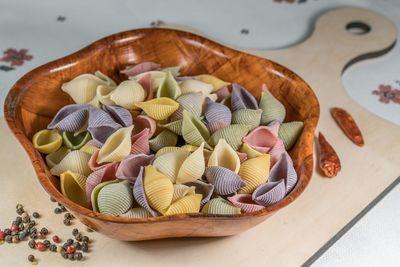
36, 97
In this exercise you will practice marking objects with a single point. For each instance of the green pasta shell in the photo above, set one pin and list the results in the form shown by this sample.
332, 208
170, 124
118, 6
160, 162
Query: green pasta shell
95, 193
75, 141
163, 139
136, 213
220, 206
232, 134
47, 141
194, 131
249, 117
289, 132
115, 199
174, 126
169, 87
272, 109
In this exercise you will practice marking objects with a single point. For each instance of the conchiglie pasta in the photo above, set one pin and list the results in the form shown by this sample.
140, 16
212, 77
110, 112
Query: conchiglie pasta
127, 94
181, 190
214, 81
163, 139
193, 167
254, 172
117, 146
194, 131
75, 161
220, 206
115, 199
169, 87
187, 204
159, 108
47, 141
224, 156
232, 134
54, 158
73, 187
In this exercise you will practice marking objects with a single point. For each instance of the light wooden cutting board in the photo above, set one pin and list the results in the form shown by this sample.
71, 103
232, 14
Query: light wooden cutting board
294, 234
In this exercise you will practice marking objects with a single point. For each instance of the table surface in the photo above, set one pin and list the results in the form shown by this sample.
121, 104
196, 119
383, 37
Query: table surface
49, 29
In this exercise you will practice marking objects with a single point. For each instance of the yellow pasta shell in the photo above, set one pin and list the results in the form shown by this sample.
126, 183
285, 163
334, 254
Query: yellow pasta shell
193, 167
47, 141
127, 94
250, 152
181, 190
224, 156
194, 86
75, 161
214, 81
117, 146
158, 189
73, 187
254, 172
159, 108
187, 204
167, 149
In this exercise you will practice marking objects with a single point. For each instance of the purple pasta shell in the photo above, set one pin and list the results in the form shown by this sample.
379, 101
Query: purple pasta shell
139, 194
242, 99
224, 180
217, 115
71, 118
130, 166
222, 93
119, 114
269, 193
283, 169
202, 188
101, 125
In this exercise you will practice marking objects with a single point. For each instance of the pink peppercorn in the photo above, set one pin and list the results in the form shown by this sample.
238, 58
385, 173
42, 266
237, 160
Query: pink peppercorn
14, 228
40, 246
2, 235
70, 250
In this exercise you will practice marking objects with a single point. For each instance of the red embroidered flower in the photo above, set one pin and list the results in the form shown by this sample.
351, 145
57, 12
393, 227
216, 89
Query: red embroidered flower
16, 57
385, 93
396, 98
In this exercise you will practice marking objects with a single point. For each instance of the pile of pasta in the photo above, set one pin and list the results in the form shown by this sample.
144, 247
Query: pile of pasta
161, 144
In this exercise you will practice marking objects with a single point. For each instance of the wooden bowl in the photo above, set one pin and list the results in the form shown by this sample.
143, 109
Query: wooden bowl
35, 98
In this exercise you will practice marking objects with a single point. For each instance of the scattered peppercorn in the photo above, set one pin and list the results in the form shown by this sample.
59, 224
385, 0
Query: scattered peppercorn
14, 228
78, 256
19, 206
71, 257
69, 241
7, 231
56, 239
68, 216
85, 247
26, 219
8, 238
18, 219
63, 209
40, 246
67, 222
32, 243
20, 211
70, 250
85, 239
46, 243
31, 258
75, 232
31, 223
78, 237
2, 235
44, 231
52, 199
35, 215
64, 255
77, 245
15, 239
57, 210
33, 236
21, 227
53, 248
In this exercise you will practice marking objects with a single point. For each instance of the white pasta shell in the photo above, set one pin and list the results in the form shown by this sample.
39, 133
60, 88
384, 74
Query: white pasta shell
193, 167
224, 156
117, 146
127, 94
75, 161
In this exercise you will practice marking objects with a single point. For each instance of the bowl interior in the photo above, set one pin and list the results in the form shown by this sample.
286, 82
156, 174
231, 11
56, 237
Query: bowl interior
36, 98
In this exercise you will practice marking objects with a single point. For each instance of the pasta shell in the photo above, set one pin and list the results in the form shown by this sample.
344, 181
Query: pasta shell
245, 203
289, 132
166, 150
269, 193
193, 167
140, 68
158, 189
227, 102
73, 187
250, 152
103, 96
284, 170
220, 206
254, 172
75, 161
217, 115
187, 204
82, 89
102, 174
192, 102
139, 193
115, 199
242, 156
156, 78
214, 81
276, 152
174, 126
249, 117
127, 94
224, 180
95, 193
159, 108
136, 213
89, 148
101, 125
222, 93
163, 139
194, 131
70, 118
232, 134
146, 83
130, 166
205, 189
169, 87
194, 86
120, 115
224, 156
174, 70
140, 142
54, 158
117, 146
262, 139
141, 122
170, 163
73, 141
47, 141
181, 190
272, 109
242, 99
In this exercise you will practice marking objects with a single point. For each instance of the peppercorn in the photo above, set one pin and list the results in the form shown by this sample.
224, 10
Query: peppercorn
75, 232
70, 250
15, 239
78, 256
18, 219
19, 206
78, 237
33, 236
22, 235
69, 241
53, 248
32, 223
63, 209
32, 243
14, 228
31, 258
65, 246
2, 235
77, 245
26, 219
33, 230
52, 199
64, 255
68, 216
20, 211
57, 210
24, 215
7, 231
67, 222
40, 246
71, 257
85, 239
44, 231
8, 238
46, 243
85, 247
56, 239
35, 215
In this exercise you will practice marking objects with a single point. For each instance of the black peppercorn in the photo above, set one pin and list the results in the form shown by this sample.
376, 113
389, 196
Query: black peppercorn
67, 222
53, 248
35, 215
77, 245
63, 209
85, 247
33, 236
21, 226
68, 216
44, 231
85, 239
32, 243
8, 239
7, 231
69, 241
57, 210
52, 199
78, 237
64, 254
20, 211
71, 257
78, 256
19, 206
75, 232
18, 220
46, 243
31, 258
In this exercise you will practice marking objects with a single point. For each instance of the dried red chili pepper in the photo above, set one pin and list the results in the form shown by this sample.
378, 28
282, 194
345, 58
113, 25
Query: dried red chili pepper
329, 162
348, 125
